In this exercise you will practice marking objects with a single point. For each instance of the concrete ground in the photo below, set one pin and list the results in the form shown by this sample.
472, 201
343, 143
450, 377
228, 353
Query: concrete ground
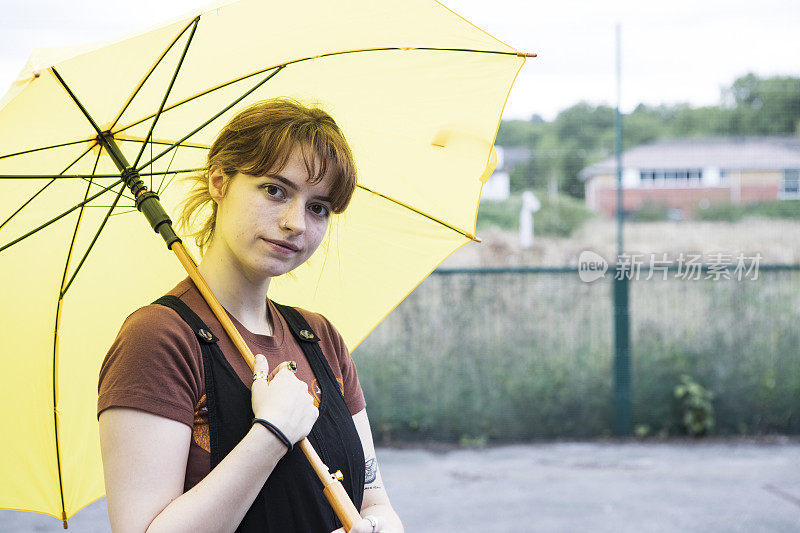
706, 486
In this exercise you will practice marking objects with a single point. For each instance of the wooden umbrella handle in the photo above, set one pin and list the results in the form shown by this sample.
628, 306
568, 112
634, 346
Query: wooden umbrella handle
333, 488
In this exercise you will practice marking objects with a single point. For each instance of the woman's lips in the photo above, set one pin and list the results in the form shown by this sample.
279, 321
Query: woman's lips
282, 246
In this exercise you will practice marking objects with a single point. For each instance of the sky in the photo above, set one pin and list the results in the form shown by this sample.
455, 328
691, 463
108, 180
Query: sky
672, 52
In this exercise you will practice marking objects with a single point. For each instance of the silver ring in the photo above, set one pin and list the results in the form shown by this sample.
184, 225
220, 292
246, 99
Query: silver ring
260, 375
373, 521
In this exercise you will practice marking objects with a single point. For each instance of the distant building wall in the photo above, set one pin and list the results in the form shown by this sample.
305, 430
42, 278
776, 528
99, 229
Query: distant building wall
687, 200
497, 187
731, 187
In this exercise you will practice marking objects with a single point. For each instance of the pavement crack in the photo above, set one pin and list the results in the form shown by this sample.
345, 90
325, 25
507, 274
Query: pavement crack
782, 494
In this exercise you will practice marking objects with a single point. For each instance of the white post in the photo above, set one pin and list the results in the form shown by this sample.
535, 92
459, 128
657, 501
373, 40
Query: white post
530, 205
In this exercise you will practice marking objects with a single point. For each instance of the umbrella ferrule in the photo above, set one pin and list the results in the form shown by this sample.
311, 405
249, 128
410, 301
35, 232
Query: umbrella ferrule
133, 181
148, 203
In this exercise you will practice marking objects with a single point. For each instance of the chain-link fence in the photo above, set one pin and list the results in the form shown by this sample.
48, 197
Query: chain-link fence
515, 354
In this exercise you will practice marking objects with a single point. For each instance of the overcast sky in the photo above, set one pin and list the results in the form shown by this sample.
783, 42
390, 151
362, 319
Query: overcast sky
677, 51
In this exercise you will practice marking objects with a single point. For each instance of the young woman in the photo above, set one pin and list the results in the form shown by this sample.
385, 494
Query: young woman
181, 449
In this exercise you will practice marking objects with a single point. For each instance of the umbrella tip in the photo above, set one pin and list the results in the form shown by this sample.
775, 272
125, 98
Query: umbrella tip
64, 519
526, 54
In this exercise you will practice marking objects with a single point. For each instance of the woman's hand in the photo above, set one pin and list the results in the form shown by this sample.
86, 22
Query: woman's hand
284, 401
365, 526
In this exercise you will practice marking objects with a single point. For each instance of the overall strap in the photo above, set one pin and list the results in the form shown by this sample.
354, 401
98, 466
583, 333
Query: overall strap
309, 343
333, 410
299, 326
204, 334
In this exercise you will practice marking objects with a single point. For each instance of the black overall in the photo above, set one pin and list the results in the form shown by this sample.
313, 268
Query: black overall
292, 498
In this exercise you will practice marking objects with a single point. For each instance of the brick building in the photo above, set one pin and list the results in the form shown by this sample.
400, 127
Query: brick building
692, 174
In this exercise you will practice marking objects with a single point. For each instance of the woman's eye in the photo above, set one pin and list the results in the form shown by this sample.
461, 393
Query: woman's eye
319, 210
274, 191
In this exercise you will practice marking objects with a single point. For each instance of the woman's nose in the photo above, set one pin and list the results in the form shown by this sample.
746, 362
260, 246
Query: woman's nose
294, 219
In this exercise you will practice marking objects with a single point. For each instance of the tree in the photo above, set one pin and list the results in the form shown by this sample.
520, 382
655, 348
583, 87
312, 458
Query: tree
584, 133
585, 125
519, 132
768, 106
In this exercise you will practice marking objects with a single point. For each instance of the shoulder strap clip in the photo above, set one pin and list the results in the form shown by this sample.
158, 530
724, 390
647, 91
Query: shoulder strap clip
299, 326
204, 334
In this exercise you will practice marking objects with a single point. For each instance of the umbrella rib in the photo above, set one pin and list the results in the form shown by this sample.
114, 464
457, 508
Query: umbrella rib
55, 347
46, 148
158, 191
171, 160
94, 240
78, 223
330, 54
86, 176
150, 72
46, 185
91, 179
212, 119
164, 142
169, 89
134, 210
105, 189
426, 215
194, 97
77, 102
58, 217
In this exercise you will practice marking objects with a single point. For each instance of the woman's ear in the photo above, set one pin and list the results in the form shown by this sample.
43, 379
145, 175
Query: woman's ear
216, 181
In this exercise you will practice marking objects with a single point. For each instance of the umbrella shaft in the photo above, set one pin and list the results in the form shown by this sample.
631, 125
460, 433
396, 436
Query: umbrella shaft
333, 489
147, 202
108, 142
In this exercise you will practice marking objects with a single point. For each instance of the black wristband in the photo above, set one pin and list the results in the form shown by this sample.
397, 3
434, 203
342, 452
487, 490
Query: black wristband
275, 431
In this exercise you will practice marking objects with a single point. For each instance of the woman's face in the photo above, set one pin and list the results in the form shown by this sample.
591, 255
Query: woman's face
269, 225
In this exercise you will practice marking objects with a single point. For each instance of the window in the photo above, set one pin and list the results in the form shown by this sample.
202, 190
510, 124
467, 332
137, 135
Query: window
684, 177
790, 184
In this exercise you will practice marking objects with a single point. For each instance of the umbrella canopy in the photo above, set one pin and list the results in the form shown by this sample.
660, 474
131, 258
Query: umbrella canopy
417, 90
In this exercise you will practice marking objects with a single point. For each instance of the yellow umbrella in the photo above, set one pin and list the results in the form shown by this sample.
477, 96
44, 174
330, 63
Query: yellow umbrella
417, 90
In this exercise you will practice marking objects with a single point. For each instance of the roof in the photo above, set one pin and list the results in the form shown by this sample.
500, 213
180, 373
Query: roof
735, 153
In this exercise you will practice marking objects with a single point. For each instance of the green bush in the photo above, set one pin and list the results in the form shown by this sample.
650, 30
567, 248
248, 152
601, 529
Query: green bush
721, 212
503, 215
695, 404
783, 209
650, 212
786, 209
559, 218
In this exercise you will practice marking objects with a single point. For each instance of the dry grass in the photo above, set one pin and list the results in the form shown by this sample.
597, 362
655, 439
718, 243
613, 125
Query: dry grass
778, 241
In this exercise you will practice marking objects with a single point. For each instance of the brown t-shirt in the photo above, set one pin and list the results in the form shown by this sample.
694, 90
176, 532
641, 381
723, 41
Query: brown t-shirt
155, 364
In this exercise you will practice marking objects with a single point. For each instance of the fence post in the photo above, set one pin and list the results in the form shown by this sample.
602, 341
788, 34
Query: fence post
622, 357
622, 335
